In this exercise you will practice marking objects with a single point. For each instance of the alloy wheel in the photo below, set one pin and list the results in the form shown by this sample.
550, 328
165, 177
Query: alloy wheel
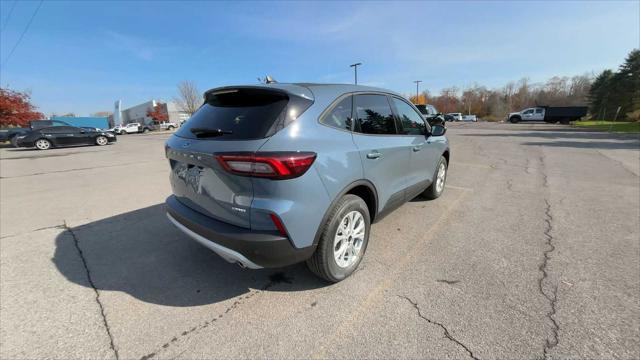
349, 238
43, 144
442, 174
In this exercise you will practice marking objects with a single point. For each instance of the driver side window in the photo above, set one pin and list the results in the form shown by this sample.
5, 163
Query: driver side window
412, 122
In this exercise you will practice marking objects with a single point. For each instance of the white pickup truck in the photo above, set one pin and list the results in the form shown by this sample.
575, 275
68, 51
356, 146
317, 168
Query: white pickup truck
549, 114
130, 128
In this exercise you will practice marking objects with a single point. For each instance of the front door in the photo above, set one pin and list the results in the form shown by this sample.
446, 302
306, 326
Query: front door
422, 161
527, 115
382, 150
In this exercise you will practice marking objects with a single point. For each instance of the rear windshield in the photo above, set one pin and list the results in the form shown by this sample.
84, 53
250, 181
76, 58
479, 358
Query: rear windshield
241, 114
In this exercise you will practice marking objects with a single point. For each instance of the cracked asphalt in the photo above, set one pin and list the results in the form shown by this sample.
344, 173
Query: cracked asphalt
532, 252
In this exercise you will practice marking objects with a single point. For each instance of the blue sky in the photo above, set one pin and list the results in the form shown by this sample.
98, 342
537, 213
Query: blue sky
81, 56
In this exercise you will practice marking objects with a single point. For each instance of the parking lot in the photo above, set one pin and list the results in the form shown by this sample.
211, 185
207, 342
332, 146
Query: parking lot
533, 251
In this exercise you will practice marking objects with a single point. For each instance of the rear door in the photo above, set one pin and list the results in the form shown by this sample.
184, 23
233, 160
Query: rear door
383, 152
246, 118
538, 114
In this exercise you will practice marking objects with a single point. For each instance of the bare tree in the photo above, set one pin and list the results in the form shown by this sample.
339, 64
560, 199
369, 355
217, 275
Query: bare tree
189, 98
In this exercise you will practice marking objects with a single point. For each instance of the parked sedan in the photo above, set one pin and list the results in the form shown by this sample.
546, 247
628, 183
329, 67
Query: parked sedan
60, 136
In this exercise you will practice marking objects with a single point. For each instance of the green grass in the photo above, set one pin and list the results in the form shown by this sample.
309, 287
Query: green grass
602, 125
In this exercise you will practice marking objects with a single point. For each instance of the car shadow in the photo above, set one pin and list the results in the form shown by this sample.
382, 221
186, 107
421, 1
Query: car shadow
142, 254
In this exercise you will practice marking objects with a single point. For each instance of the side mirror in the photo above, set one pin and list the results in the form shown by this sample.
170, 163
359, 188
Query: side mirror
438, 130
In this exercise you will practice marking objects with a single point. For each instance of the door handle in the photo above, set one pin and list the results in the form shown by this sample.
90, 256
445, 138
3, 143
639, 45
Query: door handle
373, 155
418, 147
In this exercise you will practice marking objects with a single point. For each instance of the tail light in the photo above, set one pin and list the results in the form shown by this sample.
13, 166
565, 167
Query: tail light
272, 165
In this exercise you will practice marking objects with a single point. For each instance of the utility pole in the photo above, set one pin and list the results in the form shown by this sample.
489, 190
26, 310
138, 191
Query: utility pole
355, 69
417, 94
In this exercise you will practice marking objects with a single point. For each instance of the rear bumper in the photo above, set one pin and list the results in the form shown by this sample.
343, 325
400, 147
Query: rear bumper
252, 249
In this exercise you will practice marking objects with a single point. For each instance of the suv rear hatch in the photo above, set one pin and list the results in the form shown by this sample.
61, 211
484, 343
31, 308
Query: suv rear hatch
236, 120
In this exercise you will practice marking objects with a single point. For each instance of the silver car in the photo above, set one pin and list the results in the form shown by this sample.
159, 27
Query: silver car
276, 174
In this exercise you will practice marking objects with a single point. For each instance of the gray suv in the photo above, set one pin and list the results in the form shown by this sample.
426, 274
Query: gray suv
276, 174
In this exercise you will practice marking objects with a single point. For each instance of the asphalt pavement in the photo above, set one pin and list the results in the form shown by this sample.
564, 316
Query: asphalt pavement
533, 251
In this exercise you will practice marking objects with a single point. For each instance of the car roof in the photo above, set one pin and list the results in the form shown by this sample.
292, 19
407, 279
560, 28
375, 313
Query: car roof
312, 90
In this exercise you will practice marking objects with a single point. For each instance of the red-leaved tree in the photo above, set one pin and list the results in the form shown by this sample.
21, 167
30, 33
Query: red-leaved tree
16, 108
159, 113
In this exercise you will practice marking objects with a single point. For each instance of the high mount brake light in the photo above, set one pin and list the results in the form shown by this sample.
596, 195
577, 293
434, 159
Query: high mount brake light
272, 165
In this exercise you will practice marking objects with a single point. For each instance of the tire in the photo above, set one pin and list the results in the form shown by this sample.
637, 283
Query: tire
102, 140
514, 120
350, 209
43, 144
145, 130
171, 127
439, 180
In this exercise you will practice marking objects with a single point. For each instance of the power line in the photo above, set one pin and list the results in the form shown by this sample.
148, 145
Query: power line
23, 33
6, 21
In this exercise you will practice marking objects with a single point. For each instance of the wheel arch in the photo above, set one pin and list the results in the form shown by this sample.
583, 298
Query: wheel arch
361, 188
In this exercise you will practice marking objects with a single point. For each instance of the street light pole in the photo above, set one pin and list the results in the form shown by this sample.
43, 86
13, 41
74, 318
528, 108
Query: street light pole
417, 84
355, 69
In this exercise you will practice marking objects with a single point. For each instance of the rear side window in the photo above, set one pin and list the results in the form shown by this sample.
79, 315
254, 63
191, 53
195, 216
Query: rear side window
243, 114
411, 121
340, 115
373, 115
60, 130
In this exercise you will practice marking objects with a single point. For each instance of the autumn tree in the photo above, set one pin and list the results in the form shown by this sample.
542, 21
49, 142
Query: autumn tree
159, 112
421, 99
16, 108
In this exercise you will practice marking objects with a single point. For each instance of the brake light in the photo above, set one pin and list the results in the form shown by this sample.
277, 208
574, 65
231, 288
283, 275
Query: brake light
272, 165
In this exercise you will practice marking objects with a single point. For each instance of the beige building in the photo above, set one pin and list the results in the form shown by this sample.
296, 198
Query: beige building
138, 113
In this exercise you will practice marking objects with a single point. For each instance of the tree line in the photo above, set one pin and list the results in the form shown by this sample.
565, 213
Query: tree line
603, 94
616, 94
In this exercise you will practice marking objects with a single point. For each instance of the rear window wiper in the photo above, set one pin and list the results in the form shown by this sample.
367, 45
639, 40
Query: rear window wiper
206, 132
